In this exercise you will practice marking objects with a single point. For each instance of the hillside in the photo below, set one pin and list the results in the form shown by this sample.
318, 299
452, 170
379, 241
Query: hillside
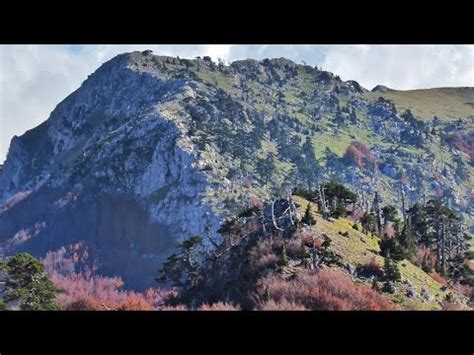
358, 249
446, 103
269, 261
151, 150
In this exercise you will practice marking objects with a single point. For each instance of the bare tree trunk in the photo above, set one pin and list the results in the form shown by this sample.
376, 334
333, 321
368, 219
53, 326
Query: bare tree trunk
262, 219
377, 212
273, 217
322, 199
402, 193
292, 209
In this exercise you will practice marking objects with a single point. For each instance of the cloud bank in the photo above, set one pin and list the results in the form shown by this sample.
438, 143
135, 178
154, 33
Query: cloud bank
34, 79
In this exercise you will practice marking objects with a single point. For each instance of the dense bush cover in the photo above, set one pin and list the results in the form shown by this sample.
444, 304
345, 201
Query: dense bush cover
324, 289
83, 289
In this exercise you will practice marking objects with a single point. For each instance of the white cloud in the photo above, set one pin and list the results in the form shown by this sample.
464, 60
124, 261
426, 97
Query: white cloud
34, 79
403, 67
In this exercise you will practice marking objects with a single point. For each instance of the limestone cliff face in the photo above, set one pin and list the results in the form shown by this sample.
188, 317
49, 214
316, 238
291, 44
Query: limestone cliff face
151, 150
109, 167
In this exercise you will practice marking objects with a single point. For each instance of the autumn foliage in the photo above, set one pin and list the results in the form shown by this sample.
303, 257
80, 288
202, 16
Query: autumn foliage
324, 289
219, 306
463, 142
359, 154
83, 289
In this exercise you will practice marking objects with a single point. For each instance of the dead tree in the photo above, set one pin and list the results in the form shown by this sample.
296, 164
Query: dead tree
323, 203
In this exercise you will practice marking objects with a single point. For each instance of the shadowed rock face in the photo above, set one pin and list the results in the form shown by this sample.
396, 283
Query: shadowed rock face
118, 231
151, 150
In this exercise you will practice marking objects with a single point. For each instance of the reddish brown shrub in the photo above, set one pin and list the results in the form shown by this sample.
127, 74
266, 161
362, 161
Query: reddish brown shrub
219, 306
263, 256
325, 289
438, 278
135, 302
359, 154
404, 179
83, 289
357, 213
373, 268
282, 305
453, 306
85, 304
180, 307
422, 253
463, 142
293, 248
465, 290
254, 201
388, 231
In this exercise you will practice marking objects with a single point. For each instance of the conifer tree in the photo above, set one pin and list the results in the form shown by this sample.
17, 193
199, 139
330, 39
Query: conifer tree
308, 218
390, 270
28, 284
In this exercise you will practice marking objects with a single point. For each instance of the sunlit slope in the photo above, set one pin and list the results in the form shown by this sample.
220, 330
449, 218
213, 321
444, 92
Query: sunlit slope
358, 248
445, 103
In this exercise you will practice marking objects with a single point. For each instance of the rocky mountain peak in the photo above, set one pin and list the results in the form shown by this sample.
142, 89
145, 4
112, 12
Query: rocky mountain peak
152, 149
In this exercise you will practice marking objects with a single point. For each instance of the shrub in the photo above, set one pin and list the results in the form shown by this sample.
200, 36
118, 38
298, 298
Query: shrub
293, 248
262, 256
388, 287
219, 306
179, 307
447, 305
463, 142
85, 303
282, 305
424, 258
83, 289
372, 268
359, 154
438, 278
324, 289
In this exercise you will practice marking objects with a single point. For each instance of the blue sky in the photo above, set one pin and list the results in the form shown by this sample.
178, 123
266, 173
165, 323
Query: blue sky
34, 79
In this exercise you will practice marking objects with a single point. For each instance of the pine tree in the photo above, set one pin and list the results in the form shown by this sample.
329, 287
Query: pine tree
390, 247
407, 241
308, 218
388, 287
369, 223
28, 284
183, 269
390, 270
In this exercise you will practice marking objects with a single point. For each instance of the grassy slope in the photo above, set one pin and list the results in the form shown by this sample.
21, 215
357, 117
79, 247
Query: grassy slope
445, 103
359, 248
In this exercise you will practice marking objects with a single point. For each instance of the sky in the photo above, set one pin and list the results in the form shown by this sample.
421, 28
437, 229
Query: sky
35, 78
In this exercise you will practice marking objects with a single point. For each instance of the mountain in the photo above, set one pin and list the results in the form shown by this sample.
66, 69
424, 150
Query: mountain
151, 150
